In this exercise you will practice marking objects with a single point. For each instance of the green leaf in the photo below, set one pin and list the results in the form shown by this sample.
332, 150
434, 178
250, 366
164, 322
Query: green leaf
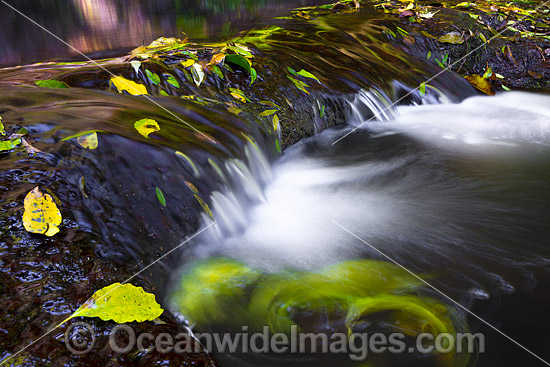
277, 145
253, 75
299, 84
120, 303
50, 83
488, 73
9, 144
171, 80
160, 196
2, 131
422, 89
322, 112
243, 63
217, 70
291, 70
81, 134
153, 78
163, 93
307, 74
505, 88
146, 126
268, 112
239, 94
269, 103
429, 55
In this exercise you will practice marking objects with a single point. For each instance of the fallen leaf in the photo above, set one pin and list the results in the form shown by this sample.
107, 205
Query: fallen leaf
275, 122
198, 74
129, 86
160, 196
195, 171
146, 126
120, 303
481, 84
2, 131
454, 38
9, 144
172, 81
535, 75
268, 112
164, 42
50, 84
136, 65
307, 74
81, 134
153, 77
29, 148
187, 63
217, 70
88, 141
217, 58
41, 215
243, 63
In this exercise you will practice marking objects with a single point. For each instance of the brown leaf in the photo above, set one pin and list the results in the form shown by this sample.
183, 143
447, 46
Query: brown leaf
454, 38
535, 74
510, 56
481, 84
406, 13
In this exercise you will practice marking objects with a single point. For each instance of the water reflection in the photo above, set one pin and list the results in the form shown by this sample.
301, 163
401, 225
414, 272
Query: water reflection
109, 27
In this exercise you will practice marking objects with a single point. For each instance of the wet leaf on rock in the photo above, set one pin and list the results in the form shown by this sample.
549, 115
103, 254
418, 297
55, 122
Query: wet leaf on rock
2, 131
9, 144
187, 63
172, 81
195, 171
129, 86
120, 303
50, 83
217, 70
153, 77
160, 196
80, 134
136, 64
239, 94
243, 63
454, 38
198, 74
268, 112
481, 84
146, 126
275, 122
217, 58
307, 74
88, 141
199, 199
41, 215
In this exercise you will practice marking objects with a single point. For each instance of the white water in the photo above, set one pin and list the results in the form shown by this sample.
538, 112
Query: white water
412, 195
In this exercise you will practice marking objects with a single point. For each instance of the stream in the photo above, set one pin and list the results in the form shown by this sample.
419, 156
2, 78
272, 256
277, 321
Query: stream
308, 223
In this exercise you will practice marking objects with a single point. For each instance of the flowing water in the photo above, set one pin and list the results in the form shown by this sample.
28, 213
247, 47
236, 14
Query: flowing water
456, 190
450, 185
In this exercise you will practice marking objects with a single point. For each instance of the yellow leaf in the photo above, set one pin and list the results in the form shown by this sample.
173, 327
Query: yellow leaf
217, 58
129, 86
481, 83
454, 38
187, 63
239, 97
146, 126
88, 141
121, 303
163, 42
41, 214
275, 122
